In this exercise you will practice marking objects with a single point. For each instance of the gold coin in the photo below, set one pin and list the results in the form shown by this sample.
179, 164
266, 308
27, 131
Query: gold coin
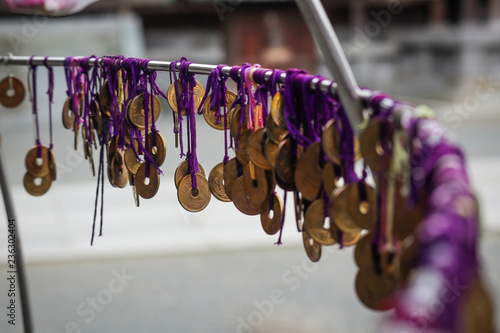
68, 117
198, 93
277, 109
330, 140
312, 164
193, 200
275, 132
362, 212
147, 187
230, 175
105, 98
370, 146
314, 222
216, 183
38, 166
241, 149
406, 216
255, 149
271, 223
313, 248
309, 190
119, 172
286, 162
237, 125
131, 161
270, 151
52, 165
362, 248
183, 170
372, 298
11, 92
157, 152
211, 116
95, 109
255, 183
330, 178
31, 186
241, 200
340, 212
136, 113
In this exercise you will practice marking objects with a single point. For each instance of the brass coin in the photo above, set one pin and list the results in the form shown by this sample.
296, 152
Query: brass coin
271, 224
183, 170
277, 109
407, 217
36, 189
68, 117
11, 92
131, 161
234, 125
313, 248
309, 190
193, 200
255, 149
373, 299
312, 168
157, 152
371, 148
314, 223
360, 252
286, 162
211, 116
297, 205
331, 140
136, 113
120, 173
110, 174
198, 92
255, 183
241, 200
147, 187
216, 183
270, 152
340, 212
230, 176
330, 179
241, 150
52, 165
275, 132
38, 167
362, 213
95, 108
112, 147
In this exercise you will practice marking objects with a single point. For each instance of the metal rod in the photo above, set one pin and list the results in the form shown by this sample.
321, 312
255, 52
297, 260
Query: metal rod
19, 264
195, 68
350, 94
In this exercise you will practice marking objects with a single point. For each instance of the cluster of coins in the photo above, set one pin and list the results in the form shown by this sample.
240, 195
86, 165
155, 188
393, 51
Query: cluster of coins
126, 157
40, 170
12, 91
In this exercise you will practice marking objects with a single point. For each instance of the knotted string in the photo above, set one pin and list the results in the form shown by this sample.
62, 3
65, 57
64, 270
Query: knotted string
34, 106
50, 93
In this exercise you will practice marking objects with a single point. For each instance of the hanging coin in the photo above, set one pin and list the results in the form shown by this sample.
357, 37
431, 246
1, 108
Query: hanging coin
158, 152
277, 109
12, 91
105, 98
255, 149
313, 248
312, 164
230, 175
237, 125
31, 186
275, 132
286, 161
216, 183
360, 252
147, 186
340, 212
130, 159
241, 200
119, 173
193, 199
52, 165
371, 147
255, 183
330, 178
38, 166
314, 223
198, 92
362, 212
330, 140
137, 114
309, 190
68, 117
135, 194
211, 116
270, 151
95, 108
271, 213
183, 170
372, 298
241, 149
